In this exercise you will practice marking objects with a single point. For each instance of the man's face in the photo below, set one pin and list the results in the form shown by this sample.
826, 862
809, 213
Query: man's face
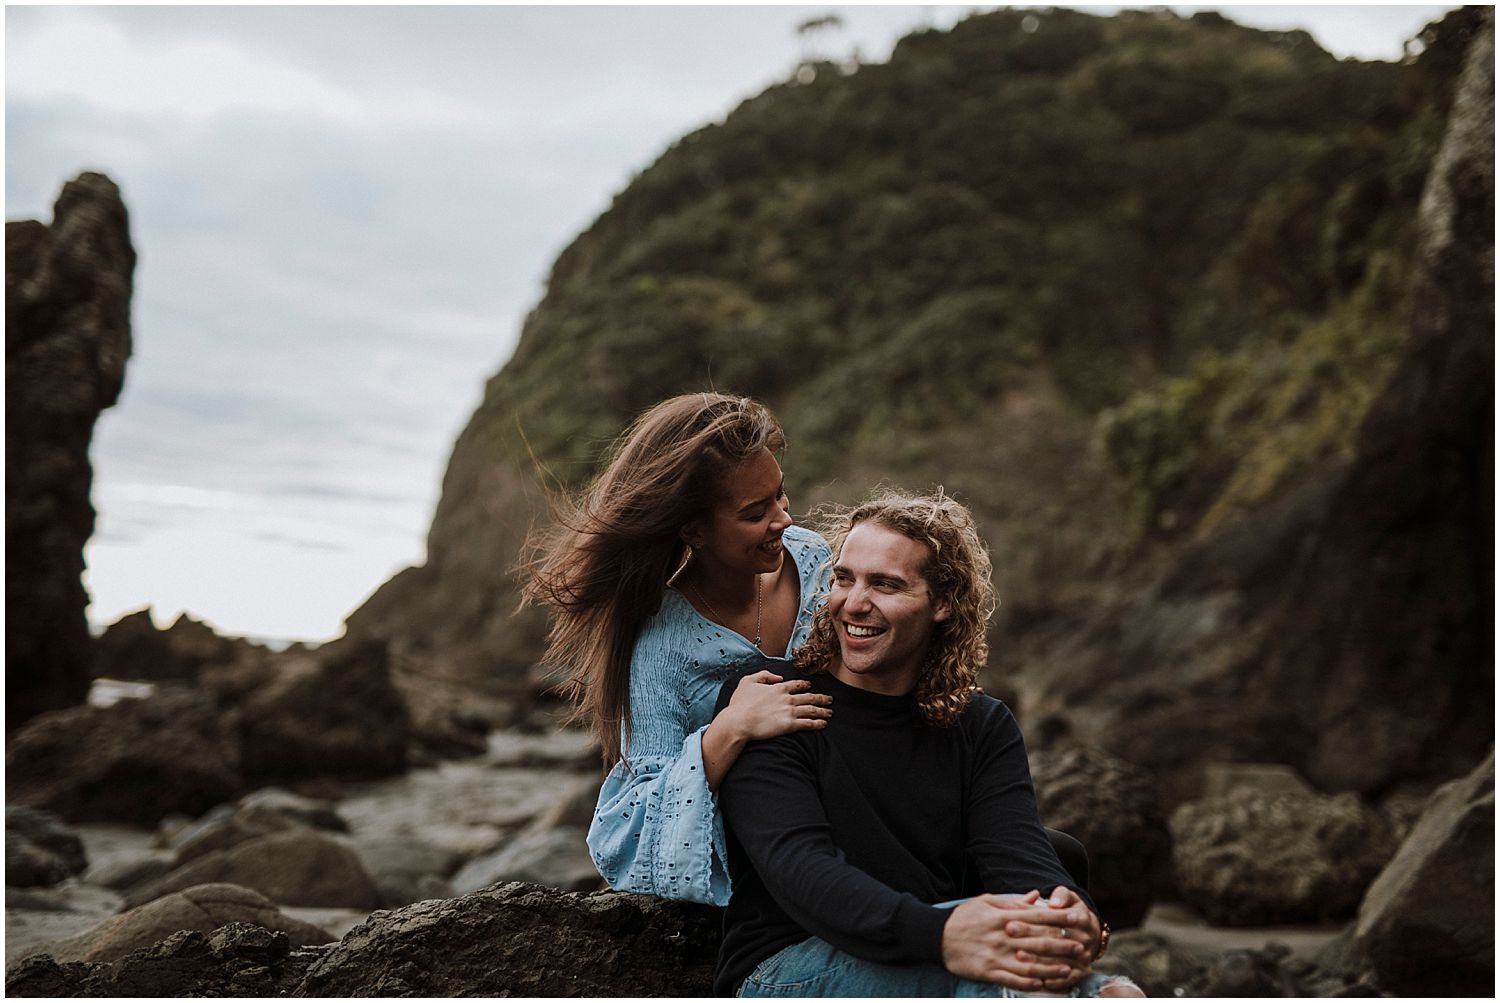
882, 610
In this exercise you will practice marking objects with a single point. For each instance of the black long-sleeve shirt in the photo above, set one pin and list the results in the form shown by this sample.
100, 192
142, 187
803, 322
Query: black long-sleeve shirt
851, 832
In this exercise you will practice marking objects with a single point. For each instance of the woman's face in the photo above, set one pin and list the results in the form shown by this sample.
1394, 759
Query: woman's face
743, 536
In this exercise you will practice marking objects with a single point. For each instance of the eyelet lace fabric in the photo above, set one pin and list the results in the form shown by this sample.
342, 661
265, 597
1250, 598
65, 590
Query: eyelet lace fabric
656, 828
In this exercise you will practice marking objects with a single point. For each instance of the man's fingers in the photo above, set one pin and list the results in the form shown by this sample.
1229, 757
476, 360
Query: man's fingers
1047, 948
1074, 918
1017, 928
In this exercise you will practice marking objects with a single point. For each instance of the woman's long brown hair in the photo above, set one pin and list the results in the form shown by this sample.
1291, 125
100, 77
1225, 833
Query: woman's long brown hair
604, 562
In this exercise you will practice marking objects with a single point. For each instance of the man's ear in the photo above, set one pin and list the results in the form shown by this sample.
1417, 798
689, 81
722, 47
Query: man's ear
942, 611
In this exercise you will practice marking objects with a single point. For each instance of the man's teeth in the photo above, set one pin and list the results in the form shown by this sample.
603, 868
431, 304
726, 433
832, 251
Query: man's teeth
861, 631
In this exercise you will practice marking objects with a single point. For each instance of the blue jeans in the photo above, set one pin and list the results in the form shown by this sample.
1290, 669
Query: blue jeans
816, 968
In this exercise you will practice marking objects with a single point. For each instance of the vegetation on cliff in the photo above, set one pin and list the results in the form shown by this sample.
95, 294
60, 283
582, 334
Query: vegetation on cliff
1098, 202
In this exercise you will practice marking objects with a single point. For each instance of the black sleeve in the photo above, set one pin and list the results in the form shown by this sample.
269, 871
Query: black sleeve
770, 801
726, 692
1006, 840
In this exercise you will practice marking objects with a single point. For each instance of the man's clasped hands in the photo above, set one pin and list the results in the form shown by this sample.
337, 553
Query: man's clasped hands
1025, 943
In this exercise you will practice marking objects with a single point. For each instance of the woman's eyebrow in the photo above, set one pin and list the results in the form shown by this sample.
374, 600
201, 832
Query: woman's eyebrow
765, 500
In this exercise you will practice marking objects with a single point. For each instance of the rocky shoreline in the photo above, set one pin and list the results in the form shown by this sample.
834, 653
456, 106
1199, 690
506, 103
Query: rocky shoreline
472, 876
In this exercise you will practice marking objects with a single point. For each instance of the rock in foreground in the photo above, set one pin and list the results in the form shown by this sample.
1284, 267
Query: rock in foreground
203, 909
511, 940
525, 940
235, 960
1427, 924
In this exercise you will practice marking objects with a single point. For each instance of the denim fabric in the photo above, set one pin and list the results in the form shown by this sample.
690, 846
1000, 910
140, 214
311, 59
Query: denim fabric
656, 828
815, 968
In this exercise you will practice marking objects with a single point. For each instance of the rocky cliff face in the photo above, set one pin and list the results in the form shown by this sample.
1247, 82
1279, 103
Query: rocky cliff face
1346, 626
67, 336
1139, 289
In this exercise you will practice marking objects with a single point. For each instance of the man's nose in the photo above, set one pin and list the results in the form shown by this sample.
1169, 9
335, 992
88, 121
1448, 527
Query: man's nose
858, 599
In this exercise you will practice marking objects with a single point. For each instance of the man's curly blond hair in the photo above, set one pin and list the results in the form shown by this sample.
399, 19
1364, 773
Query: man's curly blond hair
957, 570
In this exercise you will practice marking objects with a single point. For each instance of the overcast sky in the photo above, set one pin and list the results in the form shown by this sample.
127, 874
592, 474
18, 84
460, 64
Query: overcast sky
342, 216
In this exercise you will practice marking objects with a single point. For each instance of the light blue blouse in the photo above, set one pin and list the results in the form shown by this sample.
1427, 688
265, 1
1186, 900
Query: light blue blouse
656, 828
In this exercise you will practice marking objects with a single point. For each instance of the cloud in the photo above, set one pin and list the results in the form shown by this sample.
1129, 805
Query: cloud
71, 53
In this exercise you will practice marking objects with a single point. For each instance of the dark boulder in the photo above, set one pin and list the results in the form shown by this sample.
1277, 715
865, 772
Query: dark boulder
1110, 807
239, 959
271, 804
1163, 966
203, 908
67, 336
39, 849
132, 648
1254, 859
333, 712
257, 814
300, 867
134, 761
524, 940
1426, 927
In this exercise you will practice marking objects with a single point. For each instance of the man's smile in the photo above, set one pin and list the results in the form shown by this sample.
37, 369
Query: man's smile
859, 631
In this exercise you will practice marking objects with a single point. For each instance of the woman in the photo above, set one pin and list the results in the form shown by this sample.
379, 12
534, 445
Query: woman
675, 568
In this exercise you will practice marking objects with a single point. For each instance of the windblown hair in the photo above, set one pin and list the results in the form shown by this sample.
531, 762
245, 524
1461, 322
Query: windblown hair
957, 570
604, 563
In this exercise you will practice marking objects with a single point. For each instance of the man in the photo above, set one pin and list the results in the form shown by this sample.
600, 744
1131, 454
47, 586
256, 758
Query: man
849, 844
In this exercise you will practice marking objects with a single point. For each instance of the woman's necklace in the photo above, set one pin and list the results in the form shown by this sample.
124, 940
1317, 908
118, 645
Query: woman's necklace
725, 620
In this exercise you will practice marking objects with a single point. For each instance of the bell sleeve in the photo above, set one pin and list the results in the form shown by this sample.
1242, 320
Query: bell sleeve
656, 828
